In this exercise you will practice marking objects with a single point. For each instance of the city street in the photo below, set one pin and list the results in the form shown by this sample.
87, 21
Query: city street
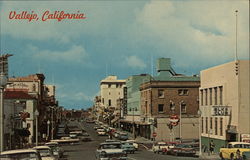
86, 150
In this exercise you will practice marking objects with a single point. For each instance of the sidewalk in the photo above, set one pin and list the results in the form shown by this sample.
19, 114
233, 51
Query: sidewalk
205, 156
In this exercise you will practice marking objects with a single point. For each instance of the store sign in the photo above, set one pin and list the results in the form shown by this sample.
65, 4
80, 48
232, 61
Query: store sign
245, 138
221, 111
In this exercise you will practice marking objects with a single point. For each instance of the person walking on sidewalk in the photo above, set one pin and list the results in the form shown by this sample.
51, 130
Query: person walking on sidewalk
211, 147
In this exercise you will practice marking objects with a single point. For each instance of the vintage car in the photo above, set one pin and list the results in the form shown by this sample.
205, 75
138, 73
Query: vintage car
135, 144
45, 152
123, 136
101, 132
159, 147
110, 150
183, 149
170, 145
66, 140
128, 147
56, 149
24, 154
230, 152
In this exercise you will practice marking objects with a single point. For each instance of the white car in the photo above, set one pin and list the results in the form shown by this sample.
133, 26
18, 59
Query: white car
159, 146
111, 150
136, 145
101, 132
24, 154
45, 152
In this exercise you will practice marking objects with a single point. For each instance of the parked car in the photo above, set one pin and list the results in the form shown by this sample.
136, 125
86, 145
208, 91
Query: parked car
110, 150
135, 144
45, 152
182, 149
128, 147
56, 149
123, 136
101, 132
170, 145
29, 154
116, 134
159, 146
229, 152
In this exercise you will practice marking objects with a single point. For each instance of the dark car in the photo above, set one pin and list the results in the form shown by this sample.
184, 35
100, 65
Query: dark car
123, 136
183, 150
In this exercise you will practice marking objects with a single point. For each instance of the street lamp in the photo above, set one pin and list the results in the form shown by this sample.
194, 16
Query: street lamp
36, 114
3, 83
199, 114
48, 123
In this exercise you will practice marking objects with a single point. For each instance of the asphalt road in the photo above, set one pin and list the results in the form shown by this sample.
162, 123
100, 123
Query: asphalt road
86, 150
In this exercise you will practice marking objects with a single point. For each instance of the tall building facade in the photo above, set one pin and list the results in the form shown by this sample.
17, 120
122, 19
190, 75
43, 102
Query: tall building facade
111, 90
224, 103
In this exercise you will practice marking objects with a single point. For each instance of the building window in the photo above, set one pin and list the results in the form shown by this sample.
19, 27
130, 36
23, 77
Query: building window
160, 108
109, 85
103, 100
109, 102
216, 126
211, 123
183, 108
221, 95
202, 125
109, 93
118, 93
183, 92
210, 96
34, 87
201, 97
206, 124
215, 96
205, 96
221, 126
160, 93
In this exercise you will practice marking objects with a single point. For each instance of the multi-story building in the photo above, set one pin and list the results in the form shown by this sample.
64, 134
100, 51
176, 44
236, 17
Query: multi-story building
224, 103
20, 119
170, 94
111, 90
132, 103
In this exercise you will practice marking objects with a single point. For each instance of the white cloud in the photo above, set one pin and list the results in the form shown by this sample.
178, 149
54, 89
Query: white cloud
202, 31
75, 54
134, 62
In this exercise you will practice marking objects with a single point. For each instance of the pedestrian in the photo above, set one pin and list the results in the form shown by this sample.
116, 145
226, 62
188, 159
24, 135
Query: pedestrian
238, 157
211, 147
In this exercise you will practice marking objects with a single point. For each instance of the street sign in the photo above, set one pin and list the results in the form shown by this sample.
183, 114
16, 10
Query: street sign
154, 134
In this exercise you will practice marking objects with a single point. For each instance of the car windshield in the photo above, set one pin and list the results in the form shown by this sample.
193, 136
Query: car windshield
44, 152
111, 146
20, 156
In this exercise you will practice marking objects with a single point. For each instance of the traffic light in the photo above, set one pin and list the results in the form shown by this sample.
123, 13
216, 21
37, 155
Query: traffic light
237, 68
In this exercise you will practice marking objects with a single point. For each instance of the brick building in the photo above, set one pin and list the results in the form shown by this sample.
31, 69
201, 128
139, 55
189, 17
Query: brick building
164, 95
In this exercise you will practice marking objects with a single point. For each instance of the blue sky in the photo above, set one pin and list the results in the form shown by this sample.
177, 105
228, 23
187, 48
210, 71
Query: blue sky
120, 38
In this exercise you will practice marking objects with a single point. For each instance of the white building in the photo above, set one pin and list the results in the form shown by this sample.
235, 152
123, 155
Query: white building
224, 103
111, 90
